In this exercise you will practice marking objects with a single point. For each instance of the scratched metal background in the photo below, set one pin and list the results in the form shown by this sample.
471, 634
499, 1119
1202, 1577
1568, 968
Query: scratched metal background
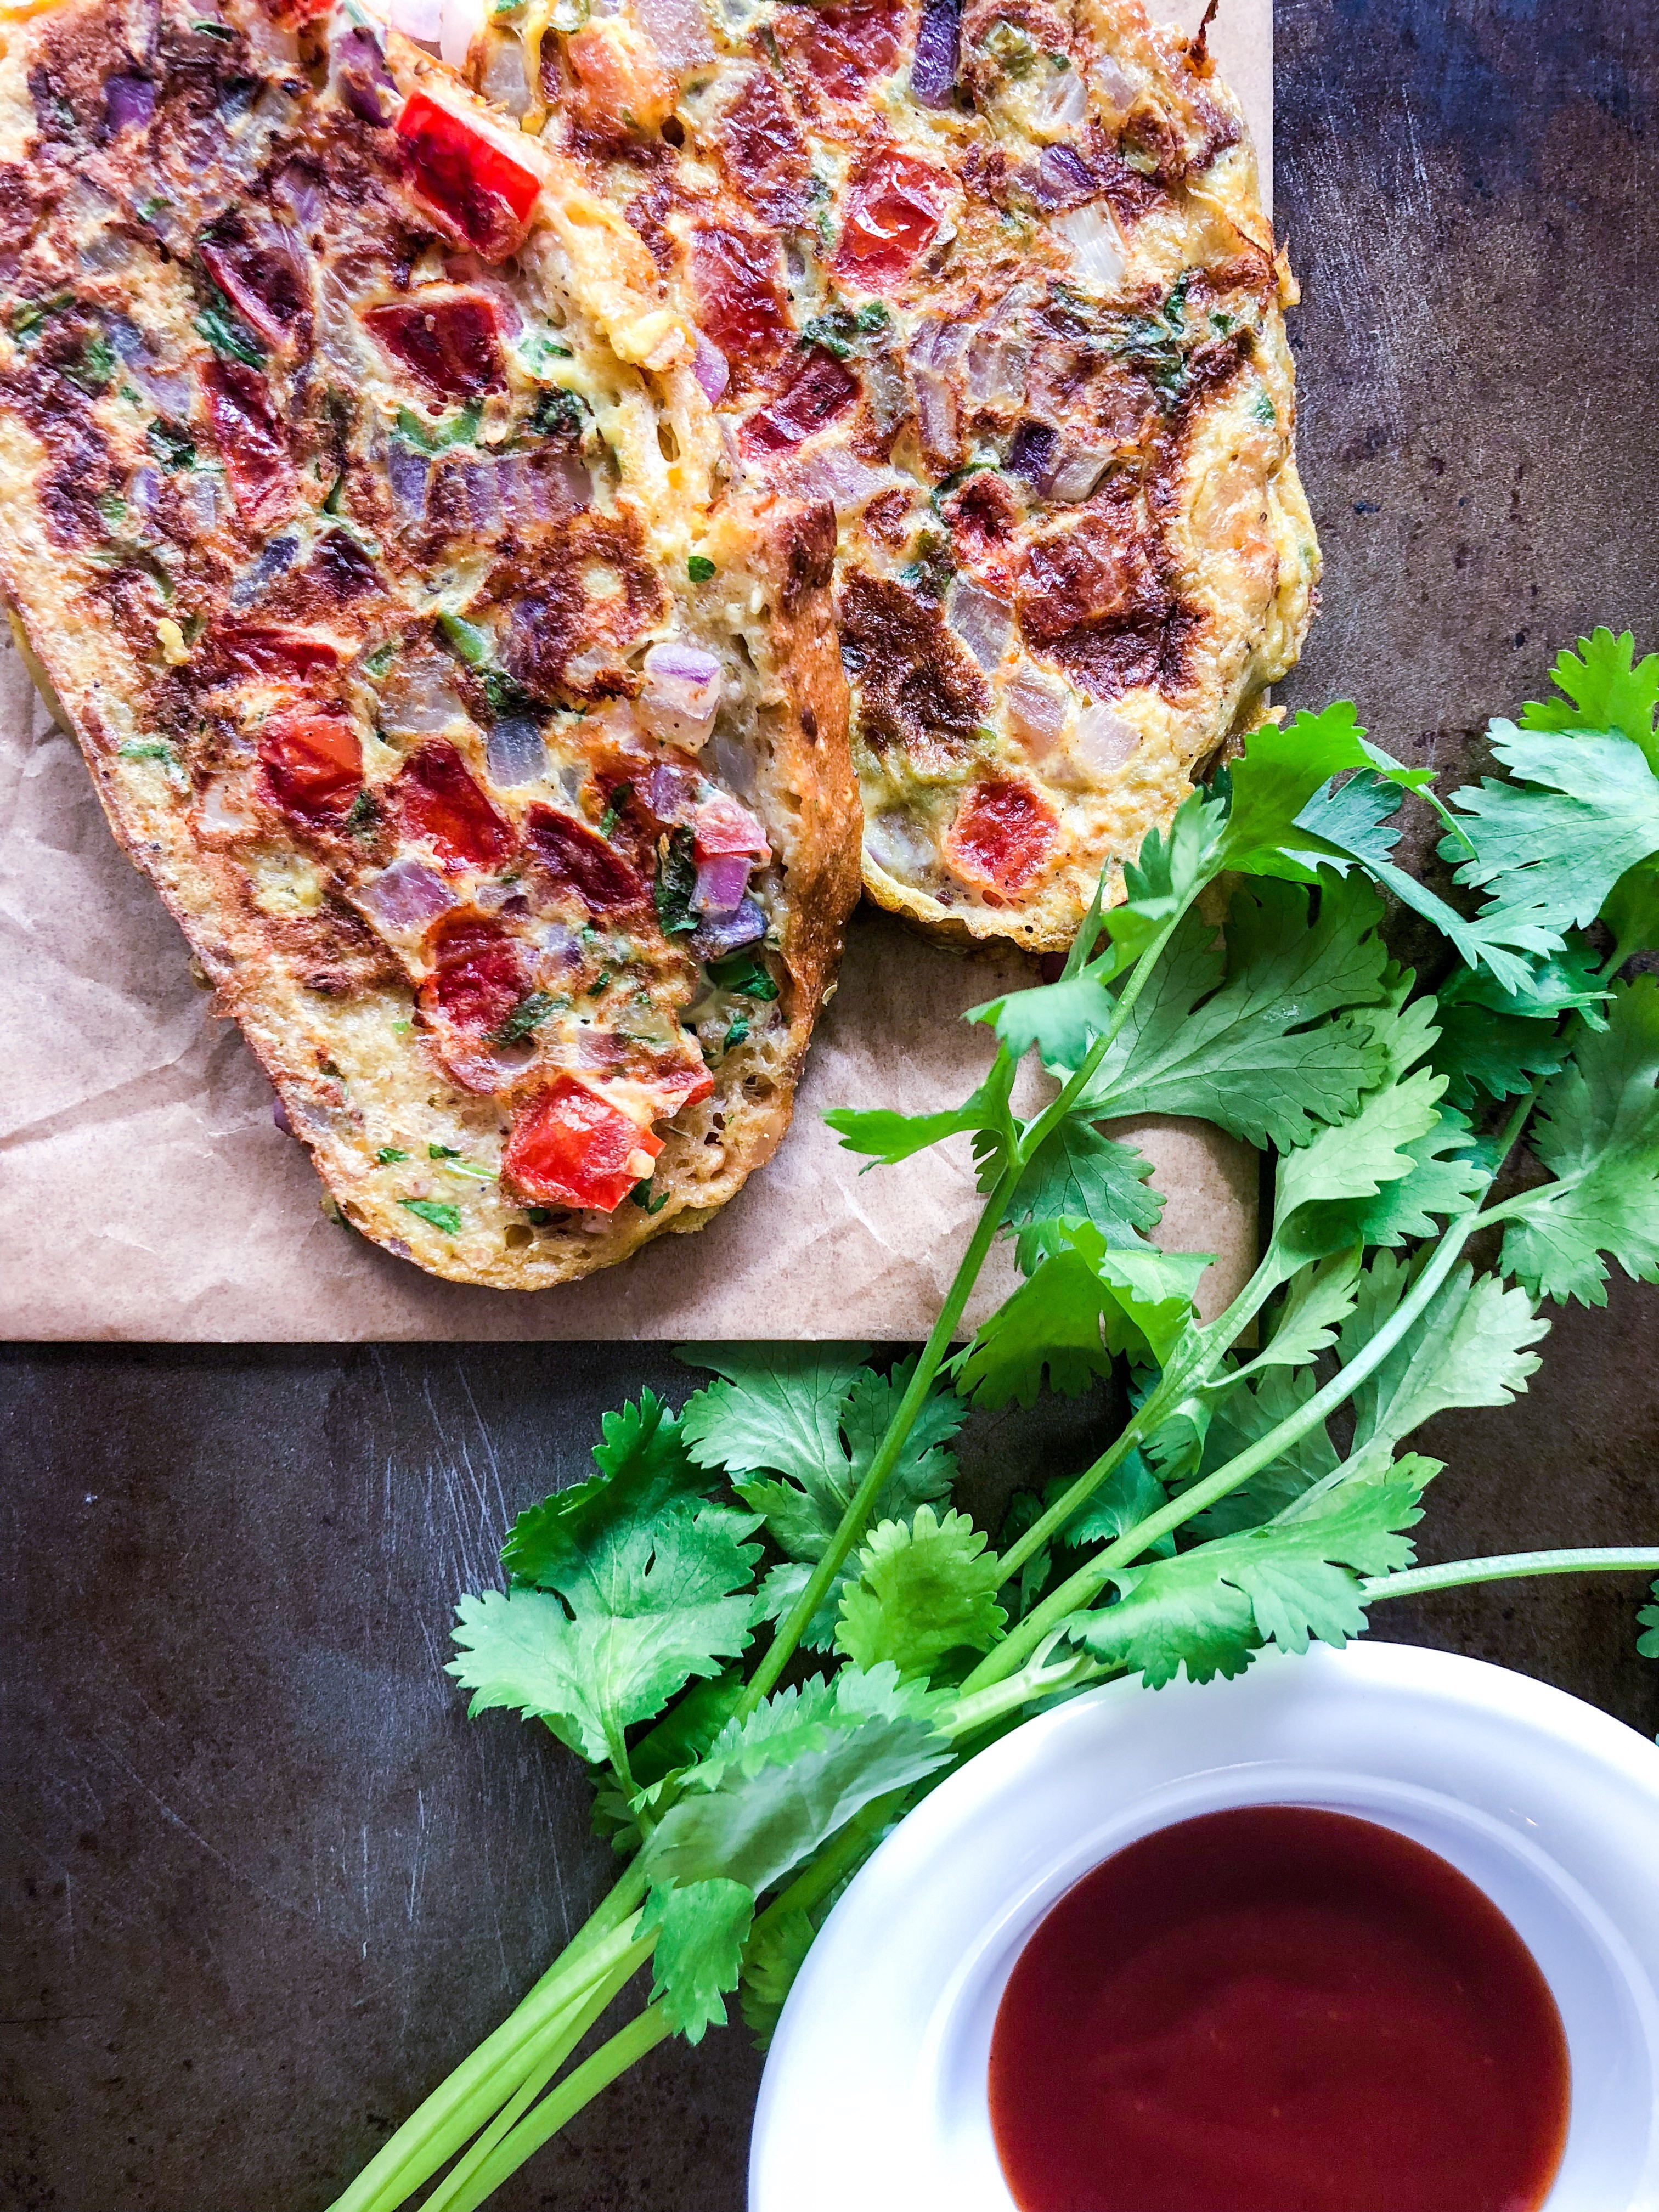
264, 1883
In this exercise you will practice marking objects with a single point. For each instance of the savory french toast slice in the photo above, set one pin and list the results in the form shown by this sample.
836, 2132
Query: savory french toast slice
994, 277
359, 506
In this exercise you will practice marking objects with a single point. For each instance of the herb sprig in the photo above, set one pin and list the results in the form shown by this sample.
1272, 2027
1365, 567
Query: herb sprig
805, 1487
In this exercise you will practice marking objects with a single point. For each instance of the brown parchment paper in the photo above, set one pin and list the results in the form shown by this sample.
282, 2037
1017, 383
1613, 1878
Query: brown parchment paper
145, 1192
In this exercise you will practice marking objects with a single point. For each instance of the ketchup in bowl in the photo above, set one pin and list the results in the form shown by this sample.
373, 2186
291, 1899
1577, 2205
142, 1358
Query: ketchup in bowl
1278, 2009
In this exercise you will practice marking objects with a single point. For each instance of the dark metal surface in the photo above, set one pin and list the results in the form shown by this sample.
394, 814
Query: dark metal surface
264, 1883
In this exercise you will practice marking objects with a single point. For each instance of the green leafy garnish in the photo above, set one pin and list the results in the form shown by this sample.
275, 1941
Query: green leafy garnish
532, 1011
446, 1217
175, 449
227, 335
740, 972
674, 882
388, 1156
699, 569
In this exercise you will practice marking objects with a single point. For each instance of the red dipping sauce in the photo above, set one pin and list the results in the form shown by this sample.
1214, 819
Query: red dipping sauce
1278, 2009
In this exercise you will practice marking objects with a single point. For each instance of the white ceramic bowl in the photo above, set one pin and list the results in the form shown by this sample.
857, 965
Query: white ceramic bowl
874, 2096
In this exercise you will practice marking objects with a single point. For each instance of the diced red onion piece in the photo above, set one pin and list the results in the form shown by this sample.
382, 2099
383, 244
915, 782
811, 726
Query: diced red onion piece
981, 619
679, 30
997, 364
560, 947
421, 20
1036, 711
1063, 179
517, 753
936, 412
419, 700
367, 87
1103, 740
840, 477
279, 1115
129, 102
408, 472
1077, 472
296, 183
934, 66
1061, 98
483, 499
1092, 237
712, 370
1032, 452
720, 884
1108, 75
681, 695
714, 939
899, 844
457, 20
407, 896
670, 793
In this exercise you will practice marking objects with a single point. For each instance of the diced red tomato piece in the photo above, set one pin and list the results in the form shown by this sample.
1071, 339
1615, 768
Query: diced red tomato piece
821, 388
740, 295
841, 49
720, 826
451, 345
572, 1147
437, 799
253, 448
681, 1086
466, 178
578, 859
478, 980
273, 649
762, 152
894, 206
1002, 835
264, 282
314, 764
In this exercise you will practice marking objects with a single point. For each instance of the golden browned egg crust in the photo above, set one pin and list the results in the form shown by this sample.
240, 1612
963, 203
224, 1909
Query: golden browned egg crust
361, 508
993, 277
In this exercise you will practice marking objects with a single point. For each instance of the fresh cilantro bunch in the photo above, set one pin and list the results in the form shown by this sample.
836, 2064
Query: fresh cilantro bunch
1262, 1491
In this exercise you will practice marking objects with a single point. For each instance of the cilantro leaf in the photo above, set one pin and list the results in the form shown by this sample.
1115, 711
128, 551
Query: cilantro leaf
776, 1784
432, 1209
1468, 1347
1288, 1582
920, 1591
1318, 1301
1446, 1178
1162, 876
1353, 1160
699, 1953
1598, 1133
1079, 1175
1243, 1042
1129, 1495
642, 1606
1087, 1302
1061, 1020
643, 1466
1500, 1054
1275, 777
890, 1136
1582, 809
1648, 1643
776, 1953
1608, 690
778, 1406
1353, 822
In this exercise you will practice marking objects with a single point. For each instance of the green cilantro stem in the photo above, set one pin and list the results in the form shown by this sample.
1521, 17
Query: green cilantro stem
796, 1621
625, 2049
482, 2083
1175, 1382
1082, 1588
552, 2049
1507, 1566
